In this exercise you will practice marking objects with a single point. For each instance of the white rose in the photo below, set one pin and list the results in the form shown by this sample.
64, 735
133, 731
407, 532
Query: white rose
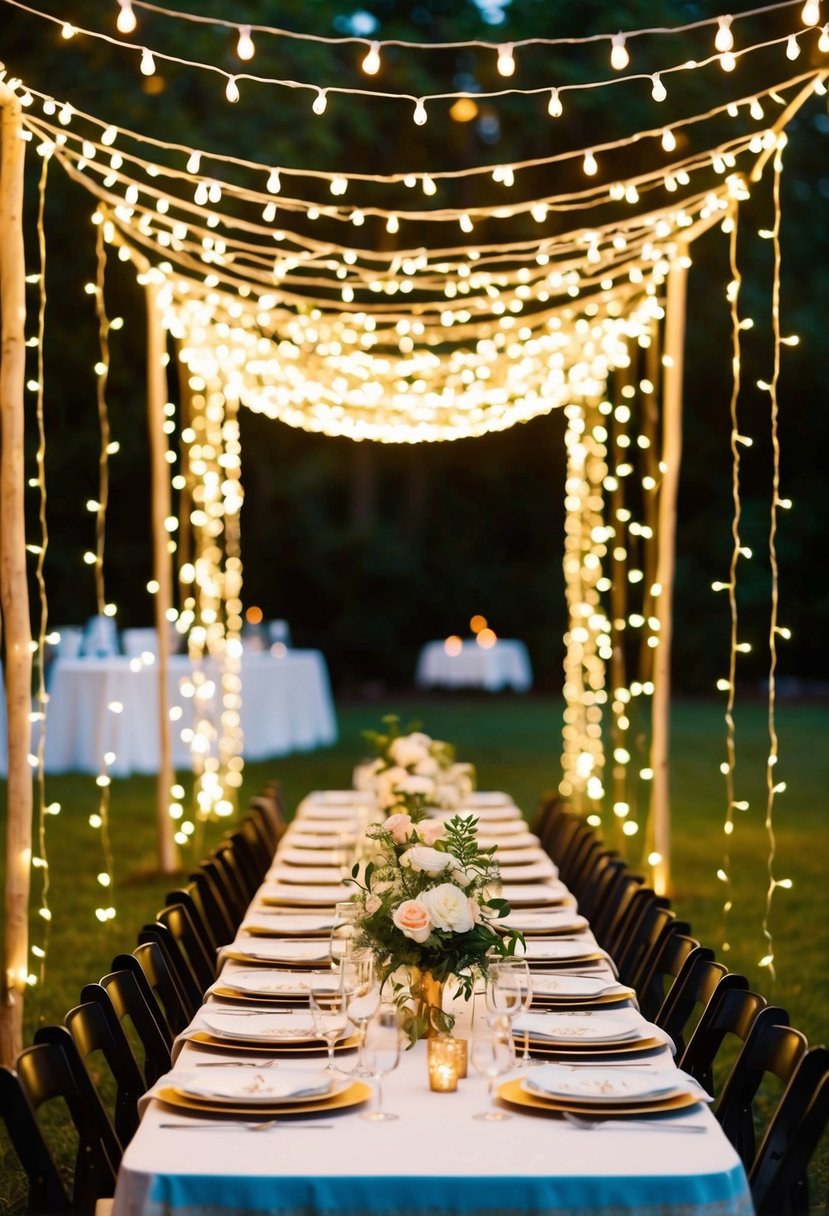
426, 860
408, 750
427, 767
448, 908
416, 785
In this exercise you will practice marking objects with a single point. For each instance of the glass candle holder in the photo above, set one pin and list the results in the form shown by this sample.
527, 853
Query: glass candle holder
461, 1052
443, 1064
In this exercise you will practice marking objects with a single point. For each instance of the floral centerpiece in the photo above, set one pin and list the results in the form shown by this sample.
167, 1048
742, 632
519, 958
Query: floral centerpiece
427, 913
415, 766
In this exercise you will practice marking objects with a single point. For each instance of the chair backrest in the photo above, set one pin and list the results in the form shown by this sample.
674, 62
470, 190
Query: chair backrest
222, 917
148, 962
619, 934
251, 868
190, 938
571, 850
253, 829
732, 1015
664, 968
643, 945
120, 992
778, 1177
698, 983
98, 1033
607, 870
189, 896
47, 1194
240, 889
190, 988
769, 1051
583, 865
618, 901
51, 1071
269, 819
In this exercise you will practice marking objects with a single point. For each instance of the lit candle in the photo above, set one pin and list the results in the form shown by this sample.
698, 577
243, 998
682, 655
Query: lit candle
443, 1065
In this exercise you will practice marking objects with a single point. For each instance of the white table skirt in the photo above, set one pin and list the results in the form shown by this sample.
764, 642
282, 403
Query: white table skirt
504, 665
286, 707
435, 1160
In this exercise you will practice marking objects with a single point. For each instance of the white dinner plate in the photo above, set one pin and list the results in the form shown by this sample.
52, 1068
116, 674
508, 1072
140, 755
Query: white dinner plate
324, 875
305, 859
286, 893
544, 922
282, 952
251, 1086
572, 986
294, 924
517, 894
575, 1028
312, 842
536, 870
506, 843
479, 798
249, 1027
275, 983
537, 951
339, 798
321, 826
606, 1084
491, 815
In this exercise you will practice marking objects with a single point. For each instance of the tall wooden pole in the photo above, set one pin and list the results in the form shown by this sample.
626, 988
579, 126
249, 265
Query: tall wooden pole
14, 593
673, 359
162, 568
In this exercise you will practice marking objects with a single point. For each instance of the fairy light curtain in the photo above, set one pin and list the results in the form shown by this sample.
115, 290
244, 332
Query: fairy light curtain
285, 295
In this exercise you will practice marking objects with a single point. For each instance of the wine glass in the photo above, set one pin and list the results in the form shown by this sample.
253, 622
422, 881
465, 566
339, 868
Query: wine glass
326, 998
493, 1053
520, 968
504, 994
341, 937
381, 1053
362, 995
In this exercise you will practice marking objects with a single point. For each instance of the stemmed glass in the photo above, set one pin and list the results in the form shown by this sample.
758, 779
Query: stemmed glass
381, 1054
341, 937
520, 969
362, 995
493, 1053
505, 991
329, 1011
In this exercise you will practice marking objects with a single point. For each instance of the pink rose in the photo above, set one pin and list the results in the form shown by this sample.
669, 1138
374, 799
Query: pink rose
413, 920
373, 904
430, 830
399, 827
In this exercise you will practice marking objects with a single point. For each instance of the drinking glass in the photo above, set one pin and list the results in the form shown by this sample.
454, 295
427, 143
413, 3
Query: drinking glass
504, 992
493, 1053
362, 995
326, 998
341, 937
381, 1053
520, 968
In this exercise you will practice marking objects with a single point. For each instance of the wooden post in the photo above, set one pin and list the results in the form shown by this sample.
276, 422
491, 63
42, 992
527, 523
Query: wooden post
14, 593
162, 571
660, 806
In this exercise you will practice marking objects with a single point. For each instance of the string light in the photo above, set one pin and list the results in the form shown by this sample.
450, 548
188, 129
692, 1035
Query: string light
658, 90
244, 45
619, 57
125, 22
810, 13
506, 60
554, 107
589, 164
320, 102
792, 47
232, 90
419, 117
724, 38
371, 62
147, 63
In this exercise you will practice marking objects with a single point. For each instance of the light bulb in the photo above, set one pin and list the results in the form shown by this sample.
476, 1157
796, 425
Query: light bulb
419, 117
823, 41
465, 223
810, 14
755, 109
590, 167
371, 63
428, 184
554, 107
147, 63
126, 22
619, 57
274, 182
792, 47
668, 140
506, 60
67, 31
658, 90
193, 162
232, 89
392, 224
728, 62
244, 47
724, 38
320, 102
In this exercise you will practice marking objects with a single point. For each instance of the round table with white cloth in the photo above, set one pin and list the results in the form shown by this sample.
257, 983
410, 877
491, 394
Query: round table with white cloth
504, 665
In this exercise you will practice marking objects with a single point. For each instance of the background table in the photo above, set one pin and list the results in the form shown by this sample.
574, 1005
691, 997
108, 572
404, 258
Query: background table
504, 665
286, 707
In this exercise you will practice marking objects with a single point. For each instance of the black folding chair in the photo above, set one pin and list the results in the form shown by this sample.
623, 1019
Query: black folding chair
147, 961
732, 1017
46, 1192
701, 981
200, 954
98, 1033
660, 974
778, 1177
120, 994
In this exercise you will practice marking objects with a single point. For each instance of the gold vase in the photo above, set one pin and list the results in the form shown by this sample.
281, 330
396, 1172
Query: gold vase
430, 1005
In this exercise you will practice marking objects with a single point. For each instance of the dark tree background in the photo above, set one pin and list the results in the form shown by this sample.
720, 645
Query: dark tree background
371, 550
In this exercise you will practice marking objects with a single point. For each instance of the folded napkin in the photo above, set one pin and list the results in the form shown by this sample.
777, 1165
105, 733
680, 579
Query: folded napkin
609, 1026
263, 950
245, 1086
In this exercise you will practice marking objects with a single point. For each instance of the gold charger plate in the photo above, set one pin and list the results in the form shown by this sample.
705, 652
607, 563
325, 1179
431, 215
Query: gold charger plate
309, 1047
548, 1048
565, 964
512, 1092
577, 1003
267, 931
257, 998
356, 1094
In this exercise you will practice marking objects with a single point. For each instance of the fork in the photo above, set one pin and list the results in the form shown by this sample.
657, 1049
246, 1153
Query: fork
623, 1124
267, 1126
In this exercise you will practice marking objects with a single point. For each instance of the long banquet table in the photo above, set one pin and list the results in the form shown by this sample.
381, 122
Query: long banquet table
504, 665
111, 705
435, 1160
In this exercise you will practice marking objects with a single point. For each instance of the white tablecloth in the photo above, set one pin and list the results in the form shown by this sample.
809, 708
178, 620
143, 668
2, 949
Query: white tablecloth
286, 707
435, 1160
504, 665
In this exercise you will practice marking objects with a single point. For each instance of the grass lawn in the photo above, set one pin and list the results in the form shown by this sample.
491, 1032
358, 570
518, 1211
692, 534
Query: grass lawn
514, 742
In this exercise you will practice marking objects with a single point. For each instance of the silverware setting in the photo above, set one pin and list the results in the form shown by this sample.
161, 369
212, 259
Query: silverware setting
625, 1124
268, 1125
271, 1063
